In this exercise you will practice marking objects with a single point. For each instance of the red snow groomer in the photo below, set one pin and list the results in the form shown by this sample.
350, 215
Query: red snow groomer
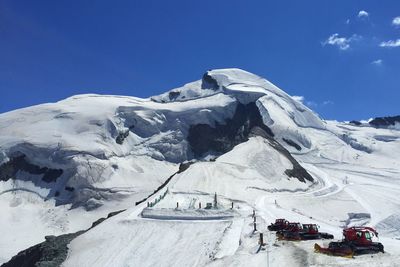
356, 241
280, 224
297, 231
290, 232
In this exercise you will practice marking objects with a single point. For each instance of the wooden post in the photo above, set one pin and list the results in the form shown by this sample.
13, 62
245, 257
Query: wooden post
261, 239
199, 205
254, 213
232, 205
177, 204
255, 218
255, 227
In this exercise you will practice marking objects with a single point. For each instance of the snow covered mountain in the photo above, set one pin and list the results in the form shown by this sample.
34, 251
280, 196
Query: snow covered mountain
65, 165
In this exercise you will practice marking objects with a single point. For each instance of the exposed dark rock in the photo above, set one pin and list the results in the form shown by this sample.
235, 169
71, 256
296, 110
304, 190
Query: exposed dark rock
51, 175
70, 188
385, 121
184, 166
115, 166
292, 143
9, 169
222, 138
111, 214
173, 95
121, 137
208, 82
355, 122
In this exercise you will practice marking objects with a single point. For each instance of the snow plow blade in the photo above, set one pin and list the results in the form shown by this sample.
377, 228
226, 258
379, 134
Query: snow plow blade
288, 237
343, 252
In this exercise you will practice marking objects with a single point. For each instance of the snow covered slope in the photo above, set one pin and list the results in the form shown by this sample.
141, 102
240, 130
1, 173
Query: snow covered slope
64, 165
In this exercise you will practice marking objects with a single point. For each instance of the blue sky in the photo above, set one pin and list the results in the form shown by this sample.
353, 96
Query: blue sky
344, 63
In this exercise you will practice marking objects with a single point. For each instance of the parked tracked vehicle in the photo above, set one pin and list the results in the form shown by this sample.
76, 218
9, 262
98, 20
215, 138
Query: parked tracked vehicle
280, 224
356, 241
297, 231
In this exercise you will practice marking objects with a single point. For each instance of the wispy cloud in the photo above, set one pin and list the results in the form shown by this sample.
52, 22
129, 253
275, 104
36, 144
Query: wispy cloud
396, 21
390, 43
363, 14
310, 103
342, 42
327, 102
313, 104
377, 62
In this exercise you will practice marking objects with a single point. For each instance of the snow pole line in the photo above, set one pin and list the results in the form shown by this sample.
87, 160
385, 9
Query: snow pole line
158, 199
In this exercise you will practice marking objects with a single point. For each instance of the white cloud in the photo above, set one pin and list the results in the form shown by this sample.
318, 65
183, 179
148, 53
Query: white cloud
390, 43
327, 102
396, 21
348, 21
363, 14
311, 104
377, 62
298, 98
342, 42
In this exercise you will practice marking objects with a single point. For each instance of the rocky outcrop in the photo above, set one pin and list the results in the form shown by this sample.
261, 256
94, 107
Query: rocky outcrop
173, 95
208, 82
292, 143
221, 138
9, 169
385, 121
246, 122
121, 137
354, 122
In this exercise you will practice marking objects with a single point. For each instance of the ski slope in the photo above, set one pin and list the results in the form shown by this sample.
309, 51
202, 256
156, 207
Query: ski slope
329, 204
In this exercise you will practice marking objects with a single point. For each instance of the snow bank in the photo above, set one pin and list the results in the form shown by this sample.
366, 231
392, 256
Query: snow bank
188, 214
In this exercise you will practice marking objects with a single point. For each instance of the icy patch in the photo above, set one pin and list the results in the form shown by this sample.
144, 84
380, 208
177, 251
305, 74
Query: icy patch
390, 226
357, 219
